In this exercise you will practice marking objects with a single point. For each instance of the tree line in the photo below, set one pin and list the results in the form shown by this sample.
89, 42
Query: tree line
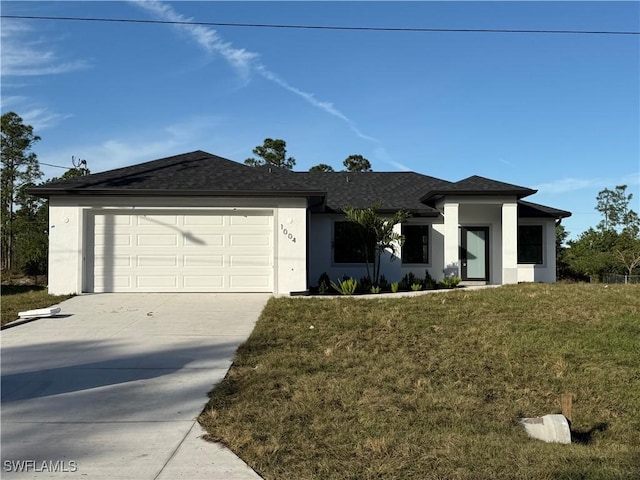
24, 239
273, 152
612, 246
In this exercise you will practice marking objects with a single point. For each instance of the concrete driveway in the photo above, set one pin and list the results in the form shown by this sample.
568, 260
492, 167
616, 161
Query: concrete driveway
112, 388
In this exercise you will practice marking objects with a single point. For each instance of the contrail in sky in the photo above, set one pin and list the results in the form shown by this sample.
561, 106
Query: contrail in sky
244, 62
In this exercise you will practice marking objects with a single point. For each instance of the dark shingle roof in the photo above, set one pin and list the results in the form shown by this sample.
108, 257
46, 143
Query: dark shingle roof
194, 173
393, 191
476, 185
530, 209
203, 174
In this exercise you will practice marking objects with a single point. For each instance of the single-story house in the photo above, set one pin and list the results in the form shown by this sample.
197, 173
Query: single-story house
197, 222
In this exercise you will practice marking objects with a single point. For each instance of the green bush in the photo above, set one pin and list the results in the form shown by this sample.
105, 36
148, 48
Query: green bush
364, 285
416, 287
347, 286
394, 287
409, 279
449, 282
429, 282
324, 282
375, 289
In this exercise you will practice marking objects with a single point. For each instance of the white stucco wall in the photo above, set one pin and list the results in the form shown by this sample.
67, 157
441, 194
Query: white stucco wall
291, 249
498, 214
66, 224
321, 253
68, 234
545, 273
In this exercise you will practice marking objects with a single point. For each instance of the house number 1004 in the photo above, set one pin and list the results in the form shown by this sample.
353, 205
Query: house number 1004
287, 233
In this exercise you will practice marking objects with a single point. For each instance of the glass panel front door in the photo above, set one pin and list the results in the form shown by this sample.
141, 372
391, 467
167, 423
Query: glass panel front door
475, 253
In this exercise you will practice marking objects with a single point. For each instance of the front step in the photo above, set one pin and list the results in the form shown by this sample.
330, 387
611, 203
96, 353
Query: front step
472, 283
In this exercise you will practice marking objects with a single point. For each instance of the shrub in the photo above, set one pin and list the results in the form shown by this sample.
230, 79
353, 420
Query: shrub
429, 282
450, 282
416, 287
375, 289
324, 282
346, 287
394, 287
365, 284
410, 279
383, 284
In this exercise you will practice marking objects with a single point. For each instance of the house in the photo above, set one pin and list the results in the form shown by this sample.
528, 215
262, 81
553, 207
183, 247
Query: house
197, 222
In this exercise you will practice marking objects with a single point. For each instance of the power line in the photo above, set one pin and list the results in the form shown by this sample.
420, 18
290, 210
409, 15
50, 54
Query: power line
57, 166
324, 27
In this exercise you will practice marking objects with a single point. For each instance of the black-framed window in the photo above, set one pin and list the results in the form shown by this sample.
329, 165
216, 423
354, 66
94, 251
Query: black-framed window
415, 248
530, 244
349, 243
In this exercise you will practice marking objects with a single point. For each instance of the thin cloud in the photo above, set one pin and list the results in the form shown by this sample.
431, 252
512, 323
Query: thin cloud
33, 114
24, 56
206, 37
42, 118
246, 62
328, 107
381, 153
565, 185
176, 138
11, 101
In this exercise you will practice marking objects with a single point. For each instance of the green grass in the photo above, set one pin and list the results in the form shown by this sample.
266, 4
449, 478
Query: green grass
18, 298
432, 387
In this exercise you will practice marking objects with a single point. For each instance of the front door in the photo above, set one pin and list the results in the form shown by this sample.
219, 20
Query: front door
474, 253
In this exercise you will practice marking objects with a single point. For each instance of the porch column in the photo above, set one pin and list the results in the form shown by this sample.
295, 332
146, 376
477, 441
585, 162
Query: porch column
509, 242
451, 245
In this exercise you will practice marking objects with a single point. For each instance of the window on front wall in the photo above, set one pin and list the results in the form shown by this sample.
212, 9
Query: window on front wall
415, 248
348, 243
530, 244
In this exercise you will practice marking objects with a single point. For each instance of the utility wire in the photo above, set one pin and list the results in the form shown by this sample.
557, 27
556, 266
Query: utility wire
324, 27
57, 166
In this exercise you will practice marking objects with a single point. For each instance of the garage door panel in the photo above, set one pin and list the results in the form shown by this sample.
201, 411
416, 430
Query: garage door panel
156, 281
249, 240
192, 240
207, 252
203, 281
146, 221
114, 220
116, 261
113, 240
156, 240
249, 260
203, 261
156, 261
204, 220
250, 220
249, 281
115, 283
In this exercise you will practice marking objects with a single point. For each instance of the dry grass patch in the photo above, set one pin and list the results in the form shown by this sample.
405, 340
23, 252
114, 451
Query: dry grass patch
432, 387
19, 298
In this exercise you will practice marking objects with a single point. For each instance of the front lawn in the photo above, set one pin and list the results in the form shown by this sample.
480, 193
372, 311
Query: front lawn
19, 298
432, 387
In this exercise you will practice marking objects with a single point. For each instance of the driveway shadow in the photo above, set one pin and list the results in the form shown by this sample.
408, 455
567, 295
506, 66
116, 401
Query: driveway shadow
86, 376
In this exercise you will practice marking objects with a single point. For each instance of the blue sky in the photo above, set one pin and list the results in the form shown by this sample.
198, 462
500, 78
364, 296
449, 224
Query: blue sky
559, 113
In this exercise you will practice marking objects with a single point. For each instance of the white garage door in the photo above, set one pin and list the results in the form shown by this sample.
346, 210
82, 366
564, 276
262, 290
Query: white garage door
195, 252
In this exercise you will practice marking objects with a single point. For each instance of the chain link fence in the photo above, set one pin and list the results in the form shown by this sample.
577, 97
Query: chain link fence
617, 278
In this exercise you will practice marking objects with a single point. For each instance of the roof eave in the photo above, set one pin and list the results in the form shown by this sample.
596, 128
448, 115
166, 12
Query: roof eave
48, 192
435, 195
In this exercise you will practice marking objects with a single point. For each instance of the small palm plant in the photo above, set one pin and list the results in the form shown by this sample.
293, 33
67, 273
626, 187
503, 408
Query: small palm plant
377, 230
345, 287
